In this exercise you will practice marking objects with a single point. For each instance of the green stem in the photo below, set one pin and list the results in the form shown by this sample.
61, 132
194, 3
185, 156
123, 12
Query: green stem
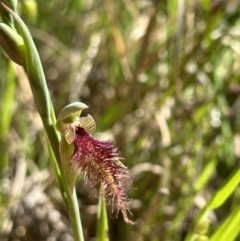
102, 224
74, 215
7, 90
42, 98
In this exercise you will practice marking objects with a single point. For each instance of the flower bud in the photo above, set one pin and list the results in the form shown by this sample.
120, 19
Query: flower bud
200, 238
12, 43
202, 227
29, 10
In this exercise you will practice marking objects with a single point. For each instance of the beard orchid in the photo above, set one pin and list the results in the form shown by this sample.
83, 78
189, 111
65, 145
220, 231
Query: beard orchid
100, 161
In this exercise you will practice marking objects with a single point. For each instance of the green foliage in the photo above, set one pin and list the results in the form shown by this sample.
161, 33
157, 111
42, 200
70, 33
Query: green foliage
162, 80
229, 229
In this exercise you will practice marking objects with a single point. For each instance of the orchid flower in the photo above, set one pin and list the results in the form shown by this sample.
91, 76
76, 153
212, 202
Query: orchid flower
99, 160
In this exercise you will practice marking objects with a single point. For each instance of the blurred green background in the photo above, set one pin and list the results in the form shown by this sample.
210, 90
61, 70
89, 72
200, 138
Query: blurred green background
161, 79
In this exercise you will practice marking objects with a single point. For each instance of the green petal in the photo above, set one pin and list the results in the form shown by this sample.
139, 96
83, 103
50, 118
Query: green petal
88, 124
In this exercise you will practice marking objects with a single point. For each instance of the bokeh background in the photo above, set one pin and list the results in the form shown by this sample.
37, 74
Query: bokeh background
161, 79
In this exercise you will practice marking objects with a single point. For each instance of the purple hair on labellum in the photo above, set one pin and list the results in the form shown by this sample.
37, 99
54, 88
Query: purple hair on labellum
101, 162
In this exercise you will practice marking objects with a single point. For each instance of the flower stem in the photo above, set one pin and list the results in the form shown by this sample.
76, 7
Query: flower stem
102, 224
74, 215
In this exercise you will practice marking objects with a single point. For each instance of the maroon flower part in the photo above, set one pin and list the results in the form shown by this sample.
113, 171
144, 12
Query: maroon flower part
101, 162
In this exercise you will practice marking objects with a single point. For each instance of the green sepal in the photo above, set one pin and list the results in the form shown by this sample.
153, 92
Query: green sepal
72, 111
66, 151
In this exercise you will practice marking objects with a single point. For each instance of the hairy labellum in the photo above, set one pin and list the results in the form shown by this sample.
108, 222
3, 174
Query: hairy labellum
101, 162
